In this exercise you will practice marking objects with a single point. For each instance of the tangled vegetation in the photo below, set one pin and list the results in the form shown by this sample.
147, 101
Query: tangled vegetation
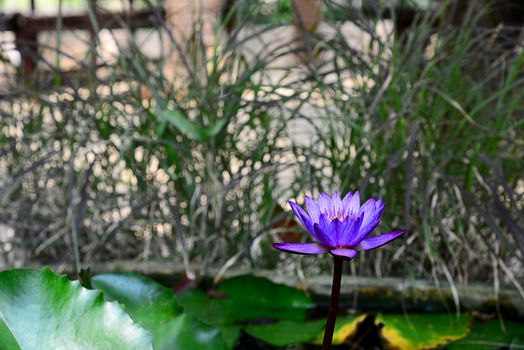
132, 163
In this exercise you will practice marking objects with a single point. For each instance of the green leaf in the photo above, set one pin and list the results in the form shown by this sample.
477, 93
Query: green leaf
423, 331
40, 310
287, 332
242, 299
345, 327
247, 298
156, 309
189, 128
195, 335
490, 335
230, 335
7, 339
147, 302
213, 130
184, 125
212, 311
254, 297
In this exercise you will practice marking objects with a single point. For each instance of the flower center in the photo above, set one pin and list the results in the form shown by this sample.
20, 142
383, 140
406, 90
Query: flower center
340, 216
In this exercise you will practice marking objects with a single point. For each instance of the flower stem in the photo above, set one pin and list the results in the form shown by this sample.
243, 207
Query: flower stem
333, 306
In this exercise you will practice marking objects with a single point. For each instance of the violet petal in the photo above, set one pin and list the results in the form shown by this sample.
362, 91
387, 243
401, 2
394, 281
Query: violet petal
370, 221
313, 209
345, 253
325, 231
303, 217
368, 206
354, 204
301, 248
346, 204
324, 202
377, 241
336, 203
347, 198
349, 232
341, 228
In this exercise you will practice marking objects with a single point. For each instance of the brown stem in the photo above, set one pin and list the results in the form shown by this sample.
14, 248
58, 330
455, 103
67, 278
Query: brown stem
333, 306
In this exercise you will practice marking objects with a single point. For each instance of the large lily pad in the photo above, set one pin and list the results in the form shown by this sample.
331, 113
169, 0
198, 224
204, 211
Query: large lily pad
157, 310
216, 312
422, 331
491, 335
345, 328
244, 301
210, 310
254, 297
247, 299
195, 335
40, 310
287, 332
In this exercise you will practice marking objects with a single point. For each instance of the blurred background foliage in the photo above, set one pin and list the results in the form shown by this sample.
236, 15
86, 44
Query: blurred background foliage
191, 157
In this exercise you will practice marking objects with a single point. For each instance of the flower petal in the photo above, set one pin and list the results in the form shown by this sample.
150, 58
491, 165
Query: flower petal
326, 231
340, 228
368, 206
347, 198
336, 203
324, 202
380, 240
353, 205
348, 231
370, 221
301, 248
303, 217
346, 203
345, 253
313, 209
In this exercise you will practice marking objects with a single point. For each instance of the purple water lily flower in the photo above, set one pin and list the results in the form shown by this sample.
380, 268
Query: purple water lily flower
341, 227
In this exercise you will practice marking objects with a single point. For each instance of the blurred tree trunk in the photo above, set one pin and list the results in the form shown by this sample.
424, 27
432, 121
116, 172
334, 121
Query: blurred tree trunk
306, 16
192, 24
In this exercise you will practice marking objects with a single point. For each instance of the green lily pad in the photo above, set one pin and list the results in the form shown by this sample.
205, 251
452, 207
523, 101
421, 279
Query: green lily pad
40, 310
196, 335
345, 327
244, 300
287, 332
156, 309
490, 335
147, 302
247, 298
212, 311
254, 297
422, 331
